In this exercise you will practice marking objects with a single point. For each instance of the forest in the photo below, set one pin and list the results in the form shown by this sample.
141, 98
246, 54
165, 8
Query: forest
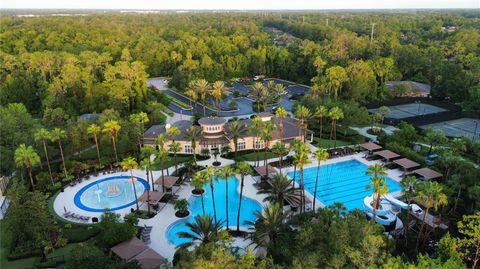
54, 69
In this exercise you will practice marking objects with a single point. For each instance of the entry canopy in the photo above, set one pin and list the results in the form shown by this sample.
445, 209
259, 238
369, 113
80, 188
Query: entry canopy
427, 173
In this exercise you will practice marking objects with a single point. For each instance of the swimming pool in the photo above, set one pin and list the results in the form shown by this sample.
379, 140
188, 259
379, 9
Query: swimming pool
111, 193
249, 207
343, 182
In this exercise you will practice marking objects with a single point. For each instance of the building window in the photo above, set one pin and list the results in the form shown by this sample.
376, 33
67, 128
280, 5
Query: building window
259, 144
241, 145
188, 149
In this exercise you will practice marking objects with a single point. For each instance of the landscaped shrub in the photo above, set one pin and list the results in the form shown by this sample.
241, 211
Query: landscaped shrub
79, 233
23, 254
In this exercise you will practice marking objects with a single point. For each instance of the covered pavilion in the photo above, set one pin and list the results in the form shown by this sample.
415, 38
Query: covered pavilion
427, 173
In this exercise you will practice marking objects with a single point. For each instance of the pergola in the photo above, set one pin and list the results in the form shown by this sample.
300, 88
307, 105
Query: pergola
427, 173
135, 249
386, 154
149, 259
151, 197
406, 163
262, 170
169, 181
129, 249
370, 146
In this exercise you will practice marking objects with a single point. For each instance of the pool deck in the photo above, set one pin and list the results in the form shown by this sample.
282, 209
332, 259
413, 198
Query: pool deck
166, 216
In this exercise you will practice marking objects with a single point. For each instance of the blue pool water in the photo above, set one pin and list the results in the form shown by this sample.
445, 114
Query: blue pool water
343, 182
111, 193
249, 207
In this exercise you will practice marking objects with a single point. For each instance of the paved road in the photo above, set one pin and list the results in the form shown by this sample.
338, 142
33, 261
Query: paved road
244, 104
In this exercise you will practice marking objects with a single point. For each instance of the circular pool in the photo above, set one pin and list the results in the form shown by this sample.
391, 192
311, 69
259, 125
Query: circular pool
110, 194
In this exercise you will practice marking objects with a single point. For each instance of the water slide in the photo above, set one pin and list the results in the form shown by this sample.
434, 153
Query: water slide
386, 220
401, 204
383, 210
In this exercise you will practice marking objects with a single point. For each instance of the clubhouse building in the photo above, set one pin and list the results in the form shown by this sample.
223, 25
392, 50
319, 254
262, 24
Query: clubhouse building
215, 134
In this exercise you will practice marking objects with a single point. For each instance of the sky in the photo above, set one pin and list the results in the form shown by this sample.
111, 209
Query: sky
238, 4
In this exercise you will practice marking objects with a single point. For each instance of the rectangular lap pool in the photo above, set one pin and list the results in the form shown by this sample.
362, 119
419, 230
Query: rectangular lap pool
343, 182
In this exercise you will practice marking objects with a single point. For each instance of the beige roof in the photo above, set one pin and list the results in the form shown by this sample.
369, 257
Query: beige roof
152, 197
386, 154
427, 173
169, 181
262, 170
149, 259
129, 249
406, 163
370, 146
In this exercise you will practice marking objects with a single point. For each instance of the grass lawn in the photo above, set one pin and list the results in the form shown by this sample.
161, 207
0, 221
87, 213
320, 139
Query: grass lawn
178, 102
326, 143
171, 162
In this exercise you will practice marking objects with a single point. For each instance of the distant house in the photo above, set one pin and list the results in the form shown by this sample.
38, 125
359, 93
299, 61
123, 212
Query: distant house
215, 134
417, 89
89, 116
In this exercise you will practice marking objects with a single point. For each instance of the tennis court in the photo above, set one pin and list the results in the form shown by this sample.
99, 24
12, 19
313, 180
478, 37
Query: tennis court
467, 127
410, 110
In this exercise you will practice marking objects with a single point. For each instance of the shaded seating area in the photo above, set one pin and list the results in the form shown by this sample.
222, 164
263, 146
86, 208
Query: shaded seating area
151, 197
427, 173
371, 147
167, 181
406, 164
295, 201
135, 249
262, 171
340, 152
386, 154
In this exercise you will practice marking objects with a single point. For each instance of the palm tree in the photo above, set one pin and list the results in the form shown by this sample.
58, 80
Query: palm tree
278, 91
95, 130
303, 114
296, 146
175, 148
321, 155
280, 149
193, 134
130, 163
58, 134
377, 183
42, 135
281, 114
198, 182
146, 153
112, 127
383, 111
335, 115
218, 91
301, 159
26, 156
243, 169
160, 140
162, 156
202, 87
139, 119
210, 172
432, 195
269, 225
408, 188
255, 129
434, 138
236, 129
258, 93
321, 113
191, 93
266, 136
226, 173
173, 132
145, 164
203, 230
278, 190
